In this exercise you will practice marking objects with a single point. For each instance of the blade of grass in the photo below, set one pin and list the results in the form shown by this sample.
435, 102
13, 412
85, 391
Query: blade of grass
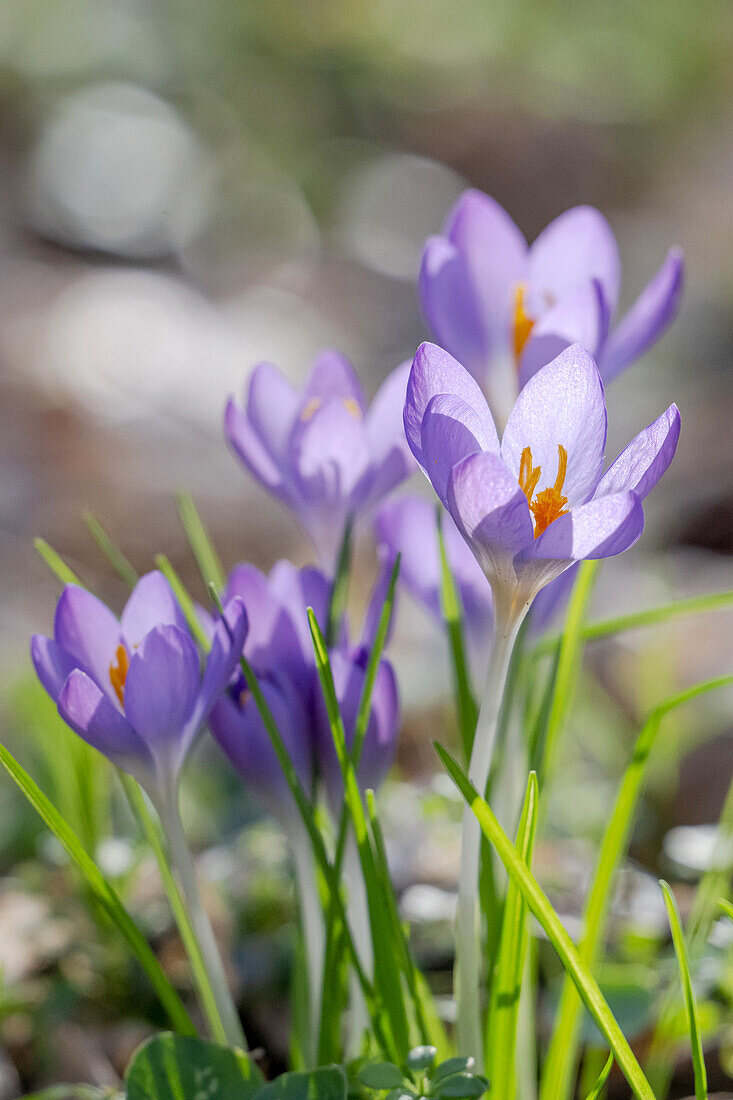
55, 562
503, 1014
466, 708
111, 551
103, 890
683, 961
540, 906
562, 1057
200, 542
340, 589
600, 1084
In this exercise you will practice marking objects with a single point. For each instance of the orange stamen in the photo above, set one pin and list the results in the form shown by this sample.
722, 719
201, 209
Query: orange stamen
548, 505
522, 326
352, 407
118, 672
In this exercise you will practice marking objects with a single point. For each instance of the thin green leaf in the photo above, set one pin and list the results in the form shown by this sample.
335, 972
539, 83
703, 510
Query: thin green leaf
600, 1084
111, 551
187, 605
55, 562
340, 589
540, 906
726, 907
501, 1026
466, 708
102, 889
562, 1057
200, 542
683, 961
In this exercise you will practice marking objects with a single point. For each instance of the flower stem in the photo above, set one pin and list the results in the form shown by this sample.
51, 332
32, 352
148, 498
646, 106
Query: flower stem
183, 866
468, 924
311, 917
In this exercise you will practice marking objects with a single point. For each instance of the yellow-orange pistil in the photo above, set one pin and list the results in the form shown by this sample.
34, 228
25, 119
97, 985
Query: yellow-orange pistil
548, 505
522, 325
118, 672
312, 406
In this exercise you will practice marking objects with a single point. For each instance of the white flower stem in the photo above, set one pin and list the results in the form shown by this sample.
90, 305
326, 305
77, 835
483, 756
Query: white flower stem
311, 917
507, 621
185, 870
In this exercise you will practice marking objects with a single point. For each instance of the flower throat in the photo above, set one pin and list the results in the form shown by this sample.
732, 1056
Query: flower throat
548, 505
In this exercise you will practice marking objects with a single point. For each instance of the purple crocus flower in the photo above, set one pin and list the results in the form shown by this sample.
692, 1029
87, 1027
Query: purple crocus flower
321, 451
493, 301
533, 504
133, 687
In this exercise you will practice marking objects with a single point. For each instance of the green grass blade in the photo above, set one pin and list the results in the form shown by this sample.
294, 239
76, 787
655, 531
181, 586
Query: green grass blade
187, 605
562, 1056
683, 961
103, 891
466, 708
55, 563
111, 551
540, 906
503, 1015
619, 624
207, 559
571, 644
597, 1089
726, 907
340, 589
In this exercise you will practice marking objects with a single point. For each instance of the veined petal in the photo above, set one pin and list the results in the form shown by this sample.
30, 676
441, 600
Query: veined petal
434, 371
161, 687
87, 629
451, 430
90, 714
450, 307
272, 406
576, 247
490, 508
332, 375
641, 464
651, 314
150, 604
562, 405
391, 458
299, 589
249, 449
52, 663
330, 454
271, 637
222, 660
581, 317
599, 529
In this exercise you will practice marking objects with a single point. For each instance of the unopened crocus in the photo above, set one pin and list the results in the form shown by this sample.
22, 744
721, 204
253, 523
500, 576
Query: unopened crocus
505, 309
320, 449
133, 687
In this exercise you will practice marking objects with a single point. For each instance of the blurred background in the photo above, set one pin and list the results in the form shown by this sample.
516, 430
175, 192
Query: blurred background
188, 187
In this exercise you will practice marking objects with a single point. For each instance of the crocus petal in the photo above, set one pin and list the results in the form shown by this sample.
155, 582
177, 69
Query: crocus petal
53, 664
496, 255
599, 529
90, 714
87, 629
451, 430
640, 466
271, 636
330, 455
161, 687
391, 458
223, 657
548, 603
151, 603
581, 317
299, 589
576, 247
450, 307
250, 450
490, 508
332, 375
434, 371
272, 406
652, 313
563, 404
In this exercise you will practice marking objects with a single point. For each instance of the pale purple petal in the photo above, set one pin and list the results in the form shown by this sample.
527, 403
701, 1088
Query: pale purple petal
581, 317
450, 305
490, 508
53, 664
576, 247
434, 371
391, 458
330, 455
599, 529
550, 601
271, 635
89, 632
332, 375
640, 466
272, 406
299, 589
90, 714
250, 449
451, 430
161, 687
563, 404
221, 661
150, 604
376, 604
651, 314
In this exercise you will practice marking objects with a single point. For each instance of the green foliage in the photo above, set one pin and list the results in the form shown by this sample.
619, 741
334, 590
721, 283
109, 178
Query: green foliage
683, 961
176, 1067
451, 1079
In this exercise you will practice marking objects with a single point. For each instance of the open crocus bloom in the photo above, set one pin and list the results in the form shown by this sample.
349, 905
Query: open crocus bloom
133, 687
504, 308
535, 503
321, 451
